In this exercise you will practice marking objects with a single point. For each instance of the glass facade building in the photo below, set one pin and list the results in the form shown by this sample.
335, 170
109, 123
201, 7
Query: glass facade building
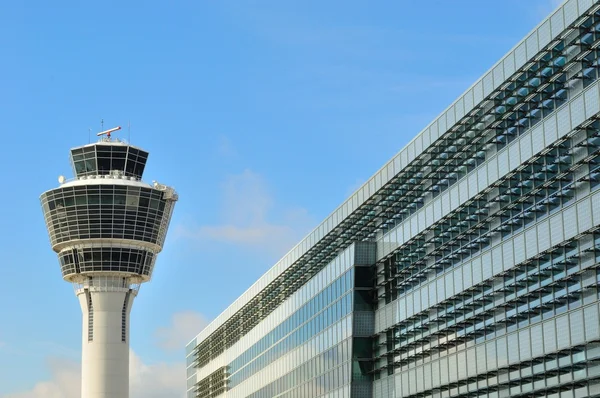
469, 265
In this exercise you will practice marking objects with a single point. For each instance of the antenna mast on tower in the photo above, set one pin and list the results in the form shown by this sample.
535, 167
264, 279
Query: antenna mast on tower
107, 132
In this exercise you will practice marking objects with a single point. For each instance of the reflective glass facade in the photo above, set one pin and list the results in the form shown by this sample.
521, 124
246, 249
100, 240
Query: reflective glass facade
133, 219
469, 262
94, 211
108, 157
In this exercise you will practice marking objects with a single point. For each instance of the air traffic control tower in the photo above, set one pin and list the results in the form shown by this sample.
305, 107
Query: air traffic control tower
107, 227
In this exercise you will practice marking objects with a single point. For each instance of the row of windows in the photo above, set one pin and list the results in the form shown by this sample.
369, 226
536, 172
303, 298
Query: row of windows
75, 261
320, 322
438, 292
311, 371
109, 216
463, 329
464, 153
315, 305
131, 220
566, 374
104, 150
514, 114
521, 199
213, 385
577, 219
499, 165
66, 235
99, 211
534, 93
539, 289
101, 159
63, 231
84, 222
319, 387
105, 200
519, 363
469, 144
288, 363
97, 189
307, 280
102, 166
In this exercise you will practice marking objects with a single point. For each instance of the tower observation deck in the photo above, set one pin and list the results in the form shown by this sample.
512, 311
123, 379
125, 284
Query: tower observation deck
107, 227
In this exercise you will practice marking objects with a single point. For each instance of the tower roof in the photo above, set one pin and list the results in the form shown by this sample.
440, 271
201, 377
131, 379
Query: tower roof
108, 156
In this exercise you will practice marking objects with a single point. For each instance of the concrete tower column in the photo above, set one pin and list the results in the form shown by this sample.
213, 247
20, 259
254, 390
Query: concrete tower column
105, 340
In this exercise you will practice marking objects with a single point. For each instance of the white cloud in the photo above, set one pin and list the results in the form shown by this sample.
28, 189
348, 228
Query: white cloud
164, 380
247, 210
184, 326
160, 380
246, 199
65, 383
154, 380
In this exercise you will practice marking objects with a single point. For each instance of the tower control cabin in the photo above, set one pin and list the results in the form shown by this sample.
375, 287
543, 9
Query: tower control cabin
107, 227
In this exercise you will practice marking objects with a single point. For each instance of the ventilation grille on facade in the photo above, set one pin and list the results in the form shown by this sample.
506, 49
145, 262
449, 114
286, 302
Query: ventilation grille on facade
213, 385
124, 317
90, 315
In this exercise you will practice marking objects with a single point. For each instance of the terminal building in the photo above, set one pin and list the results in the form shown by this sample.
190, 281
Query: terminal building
468, 265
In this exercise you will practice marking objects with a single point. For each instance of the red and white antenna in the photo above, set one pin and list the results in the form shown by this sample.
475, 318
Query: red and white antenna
107, 132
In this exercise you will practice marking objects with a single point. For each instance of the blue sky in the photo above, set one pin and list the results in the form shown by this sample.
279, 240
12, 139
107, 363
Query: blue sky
264, 115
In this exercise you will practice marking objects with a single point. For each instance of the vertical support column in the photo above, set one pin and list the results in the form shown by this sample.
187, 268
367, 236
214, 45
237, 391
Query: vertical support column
105, 341
363, 319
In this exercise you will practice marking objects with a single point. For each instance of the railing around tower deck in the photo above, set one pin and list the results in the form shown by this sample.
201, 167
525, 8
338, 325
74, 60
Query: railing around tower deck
108, 283
114, 174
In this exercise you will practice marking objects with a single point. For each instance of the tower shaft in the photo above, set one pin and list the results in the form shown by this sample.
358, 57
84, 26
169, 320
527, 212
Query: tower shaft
105, 337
